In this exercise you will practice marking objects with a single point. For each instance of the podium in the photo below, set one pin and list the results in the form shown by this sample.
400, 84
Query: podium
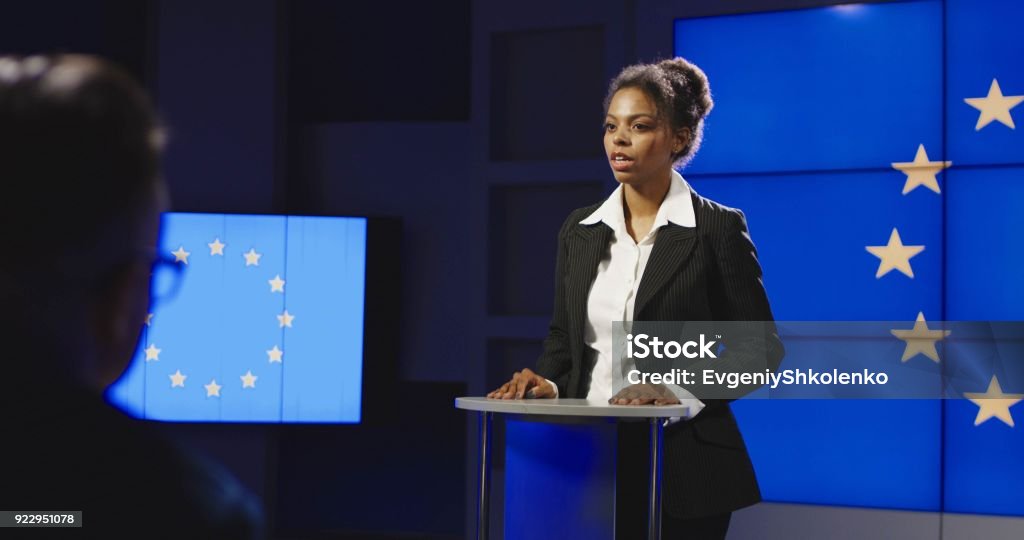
535, 464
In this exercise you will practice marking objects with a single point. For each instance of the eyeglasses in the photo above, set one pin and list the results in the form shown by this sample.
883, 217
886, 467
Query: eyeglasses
166, 276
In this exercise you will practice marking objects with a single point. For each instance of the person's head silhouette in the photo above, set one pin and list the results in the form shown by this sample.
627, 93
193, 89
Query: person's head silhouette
80, 147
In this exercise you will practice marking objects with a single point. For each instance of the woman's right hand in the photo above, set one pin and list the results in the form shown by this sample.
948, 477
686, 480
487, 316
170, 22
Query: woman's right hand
523, 382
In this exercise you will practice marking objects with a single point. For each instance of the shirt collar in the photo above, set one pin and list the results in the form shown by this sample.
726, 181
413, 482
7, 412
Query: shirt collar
676, 208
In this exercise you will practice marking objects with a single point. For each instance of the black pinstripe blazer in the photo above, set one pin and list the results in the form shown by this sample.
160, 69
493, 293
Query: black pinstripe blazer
706, 273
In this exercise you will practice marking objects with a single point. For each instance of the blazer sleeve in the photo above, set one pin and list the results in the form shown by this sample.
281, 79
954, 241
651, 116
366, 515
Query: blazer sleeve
555, 362
740, 295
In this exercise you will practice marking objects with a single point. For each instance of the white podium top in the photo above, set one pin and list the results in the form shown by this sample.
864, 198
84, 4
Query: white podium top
570, 407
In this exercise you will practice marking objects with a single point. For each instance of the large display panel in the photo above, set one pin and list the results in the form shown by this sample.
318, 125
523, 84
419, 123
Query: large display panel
814, 111
254, 318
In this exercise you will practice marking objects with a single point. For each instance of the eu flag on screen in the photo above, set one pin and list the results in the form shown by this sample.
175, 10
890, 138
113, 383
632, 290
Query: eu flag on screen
848, 138
259, 320
984, 439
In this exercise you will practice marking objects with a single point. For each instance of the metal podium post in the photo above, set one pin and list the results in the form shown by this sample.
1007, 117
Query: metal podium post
483, 503
654, 497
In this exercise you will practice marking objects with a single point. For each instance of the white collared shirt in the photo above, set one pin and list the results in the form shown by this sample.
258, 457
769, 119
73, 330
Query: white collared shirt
613, 294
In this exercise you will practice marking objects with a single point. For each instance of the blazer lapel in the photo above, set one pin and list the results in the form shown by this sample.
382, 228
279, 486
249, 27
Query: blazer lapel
672, 247
584, 250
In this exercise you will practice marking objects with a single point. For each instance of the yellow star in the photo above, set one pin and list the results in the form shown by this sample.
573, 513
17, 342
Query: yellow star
149, 319
894, 255
994, 403
152, 353
920, 340
276, 284
274, 355
181, 255
252, 258
248, 380
216, 247
212, 389
178, 379
285, 319
921, 172
994, 106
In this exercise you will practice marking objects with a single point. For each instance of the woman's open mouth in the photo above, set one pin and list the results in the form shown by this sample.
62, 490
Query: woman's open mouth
620, 162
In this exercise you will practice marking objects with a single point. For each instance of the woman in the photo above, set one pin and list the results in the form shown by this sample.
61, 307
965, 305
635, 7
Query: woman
655, 250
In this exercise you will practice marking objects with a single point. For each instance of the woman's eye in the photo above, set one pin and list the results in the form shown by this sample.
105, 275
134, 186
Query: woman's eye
609, 127
639, 127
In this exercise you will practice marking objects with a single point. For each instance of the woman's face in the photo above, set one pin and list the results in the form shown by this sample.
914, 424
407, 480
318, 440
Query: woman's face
639, 144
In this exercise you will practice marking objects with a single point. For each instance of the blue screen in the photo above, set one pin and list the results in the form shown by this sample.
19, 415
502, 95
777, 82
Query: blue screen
985, 217
812, 108
983, 45
846, 87
983, 463
254, 319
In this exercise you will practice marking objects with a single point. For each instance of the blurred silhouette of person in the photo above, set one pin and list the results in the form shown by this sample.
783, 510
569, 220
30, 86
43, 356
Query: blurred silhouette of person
80, 147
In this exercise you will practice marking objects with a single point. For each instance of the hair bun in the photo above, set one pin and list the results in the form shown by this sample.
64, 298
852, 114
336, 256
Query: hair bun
690, 83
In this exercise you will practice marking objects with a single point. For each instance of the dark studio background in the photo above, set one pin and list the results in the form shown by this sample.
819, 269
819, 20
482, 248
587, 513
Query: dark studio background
476, 123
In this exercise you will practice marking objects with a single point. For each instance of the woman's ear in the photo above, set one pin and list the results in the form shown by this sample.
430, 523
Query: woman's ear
682, 138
